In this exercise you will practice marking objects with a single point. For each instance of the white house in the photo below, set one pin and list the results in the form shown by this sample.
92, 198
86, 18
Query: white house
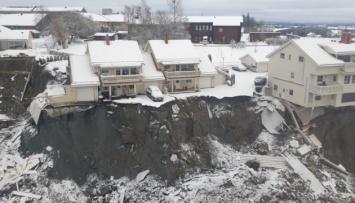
255, 61
15, 39
119, 65
179, 61
83, 85
314, 72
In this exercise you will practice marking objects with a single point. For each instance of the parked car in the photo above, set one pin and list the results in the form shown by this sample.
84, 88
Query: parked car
260, 81
239, 68
154, 93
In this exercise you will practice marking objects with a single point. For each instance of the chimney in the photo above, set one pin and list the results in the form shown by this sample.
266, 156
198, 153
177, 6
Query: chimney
107, 38
166, 39
346, 38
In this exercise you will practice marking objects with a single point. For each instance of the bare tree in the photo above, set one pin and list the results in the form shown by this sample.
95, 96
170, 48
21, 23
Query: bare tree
175, 10
59, 31
129, 13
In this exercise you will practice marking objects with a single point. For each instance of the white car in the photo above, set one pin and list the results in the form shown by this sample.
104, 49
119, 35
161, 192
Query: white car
154, 93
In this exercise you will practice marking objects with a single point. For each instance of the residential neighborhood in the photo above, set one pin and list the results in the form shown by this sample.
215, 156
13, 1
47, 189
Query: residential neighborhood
107, 102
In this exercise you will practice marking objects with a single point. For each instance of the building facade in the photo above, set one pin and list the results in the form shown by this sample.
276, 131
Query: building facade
217, 29
313, 73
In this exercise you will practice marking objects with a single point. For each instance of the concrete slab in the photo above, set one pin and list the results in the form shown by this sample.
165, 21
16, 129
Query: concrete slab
303, 150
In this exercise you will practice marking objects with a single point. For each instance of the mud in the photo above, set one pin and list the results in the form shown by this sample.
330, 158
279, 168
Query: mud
335, 129
123, 140
13, 74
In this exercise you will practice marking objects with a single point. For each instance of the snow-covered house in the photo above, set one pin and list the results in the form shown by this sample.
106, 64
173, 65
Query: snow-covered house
255, 61
217, 29
15, 39
21, 21
116, 22
119, 66
178, 60
83, 85
313, 72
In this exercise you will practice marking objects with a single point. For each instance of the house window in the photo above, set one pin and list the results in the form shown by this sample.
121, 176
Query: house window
196, 27
183, 67
177, 81
125, 71
104, 70
166, 68
190, 67
347, 79
334, 78
292, 75
211, 27
134, 71
282, 55
210, 39
118, 71
188, 81
301, 59
291, 92
289, 57
353, 79
275, 87
320, 78
203, 27
104, 88
318, 98
196, 38
199, 27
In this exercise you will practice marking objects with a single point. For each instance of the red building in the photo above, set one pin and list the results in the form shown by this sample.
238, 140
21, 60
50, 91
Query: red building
217, 29
261, 36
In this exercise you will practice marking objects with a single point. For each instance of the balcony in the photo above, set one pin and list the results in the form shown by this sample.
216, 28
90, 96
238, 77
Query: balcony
116, 79
181, 74
349, 67
326, 90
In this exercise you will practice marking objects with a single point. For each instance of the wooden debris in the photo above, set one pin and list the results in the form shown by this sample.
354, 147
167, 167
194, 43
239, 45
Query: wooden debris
26, 194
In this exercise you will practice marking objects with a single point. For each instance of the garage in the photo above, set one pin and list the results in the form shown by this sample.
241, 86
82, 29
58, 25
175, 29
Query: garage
220, 79
150, 83
85, 94
205, 82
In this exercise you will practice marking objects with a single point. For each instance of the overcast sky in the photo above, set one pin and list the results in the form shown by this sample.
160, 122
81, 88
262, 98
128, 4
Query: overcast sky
327, 11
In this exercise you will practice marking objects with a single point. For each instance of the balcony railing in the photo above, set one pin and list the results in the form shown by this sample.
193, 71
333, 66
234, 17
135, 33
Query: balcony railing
182, 74
326, 90
111, 79
349, 67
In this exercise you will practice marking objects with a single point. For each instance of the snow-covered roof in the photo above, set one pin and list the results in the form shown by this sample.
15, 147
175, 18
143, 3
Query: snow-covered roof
175, 52
25, 19
149, 70
115, 17
60, 9
95, 17
339, 48
118, 54
82, 72
103, 34
217, 20
18, 35
41, 9
310, 47
206, 67
257, 56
